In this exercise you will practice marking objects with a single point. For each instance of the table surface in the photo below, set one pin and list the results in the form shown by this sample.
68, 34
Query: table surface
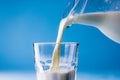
80, 76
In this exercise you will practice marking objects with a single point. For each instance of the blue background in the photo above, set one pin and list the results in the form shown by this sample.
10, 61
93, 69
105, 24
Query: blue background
23, 22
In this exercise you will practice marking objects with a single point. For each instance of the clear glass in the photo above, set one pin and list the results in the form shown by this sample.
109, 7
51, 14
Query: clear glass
91, 6
68, 61
102, 14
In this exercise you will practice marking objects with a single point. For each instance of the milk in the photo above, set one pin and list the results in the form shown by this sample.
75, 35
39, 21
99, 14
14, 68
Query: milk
56, 53
107, 22
61, 75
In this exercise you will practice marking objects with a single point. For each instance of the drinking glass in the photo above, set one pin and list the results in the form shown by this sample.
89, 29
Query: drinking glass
68, 60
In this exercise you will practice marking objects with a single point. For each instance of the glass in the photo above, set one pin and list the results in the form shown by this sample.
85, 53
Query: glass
68, 61
89, 6
102, 14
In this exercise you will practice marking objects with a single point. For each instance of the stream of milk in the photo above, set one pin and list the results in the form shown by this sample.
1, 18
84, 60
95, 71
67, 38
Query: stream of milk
107, 22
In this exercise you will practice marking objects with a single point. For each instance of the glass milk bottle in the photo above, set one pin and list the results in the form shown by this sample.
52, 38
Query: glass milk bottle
102, 14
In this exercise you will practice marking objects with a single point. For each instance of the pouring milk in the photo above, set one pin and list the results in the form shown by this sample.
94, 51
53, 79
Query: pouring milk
107, 22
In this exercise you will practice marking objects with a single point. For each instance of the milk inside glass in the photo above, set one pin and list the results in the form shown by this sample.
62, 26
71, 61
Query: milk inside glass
61, 75
68, 60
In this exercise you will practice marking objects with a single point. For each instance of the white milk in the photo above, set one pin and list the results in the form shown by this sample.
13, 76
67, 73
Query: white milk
60, 75
56, 53
107, 22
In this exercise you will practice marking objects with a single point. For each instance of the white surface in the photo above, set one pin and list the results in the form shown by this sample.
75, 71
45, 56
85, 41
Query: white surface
32, 76
17, 76
84, 76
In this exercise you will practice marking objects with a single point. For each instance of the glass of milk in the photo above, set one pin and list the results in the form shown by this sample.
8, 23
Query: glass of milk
68, 60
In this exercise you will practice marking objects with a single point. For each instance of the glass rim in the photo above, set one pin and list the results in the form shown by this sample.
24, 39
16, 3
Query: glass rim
56, 43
